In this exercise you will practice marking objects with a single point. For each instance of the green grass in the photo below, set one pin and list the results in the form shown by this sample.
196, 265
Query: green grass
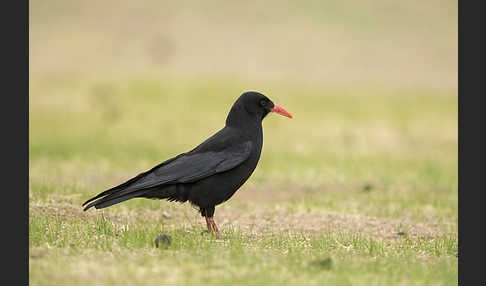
313, 168
126, 253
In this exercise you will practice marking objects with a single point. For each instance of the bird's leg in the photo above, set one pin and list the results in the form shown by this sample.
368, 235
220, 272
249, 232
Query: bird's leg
215, 228
208, 224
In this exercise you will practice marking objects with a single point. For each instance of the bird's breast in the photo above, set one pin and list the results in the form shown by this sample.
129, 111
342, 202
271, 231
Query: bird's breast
220, 187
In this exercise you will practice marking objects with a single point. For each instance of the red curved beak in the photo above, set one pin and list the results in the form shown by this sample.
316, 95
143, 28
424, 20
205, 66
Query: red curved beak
281, 111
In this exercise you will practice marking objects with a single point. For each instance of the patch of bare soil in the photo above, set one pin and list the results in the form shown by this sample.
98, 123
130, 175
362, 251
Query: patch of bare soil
258, 222
322, 222
256, 195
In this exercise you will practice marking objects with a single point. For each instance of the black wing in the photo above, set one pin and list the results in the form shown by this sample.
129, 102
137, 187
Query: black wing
184, 168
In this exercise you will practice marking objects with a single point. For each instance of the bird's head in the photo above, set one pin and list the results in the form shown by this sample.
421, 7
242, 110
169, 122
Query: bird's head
259, 105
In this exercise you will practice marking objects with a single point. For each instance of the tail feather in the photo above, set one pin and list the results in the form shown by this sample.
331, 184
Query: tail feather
115, 196
115, 189
111, 200
127, 190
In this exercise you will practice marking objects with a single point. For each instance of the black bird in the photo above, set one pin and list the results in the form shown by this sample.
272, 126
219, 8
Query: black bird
209, 174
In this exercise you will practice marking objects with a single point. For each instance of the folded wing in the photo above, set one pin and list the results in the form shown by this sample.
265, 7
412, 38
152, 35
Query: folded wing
184, 168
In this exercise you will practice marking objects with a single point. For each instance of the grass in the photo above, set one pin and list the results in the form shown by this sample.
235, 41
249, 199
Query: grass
127, 256
342, 195
360, 188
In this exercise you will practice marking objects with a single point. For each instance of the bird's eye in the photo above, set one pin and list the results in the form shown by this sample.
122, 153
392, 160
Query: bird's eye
263, 102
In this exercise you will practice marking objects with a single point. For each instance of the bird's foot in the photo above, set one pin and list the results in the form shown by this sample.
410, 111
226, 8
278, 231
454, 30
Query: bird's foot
218, 235
211, 225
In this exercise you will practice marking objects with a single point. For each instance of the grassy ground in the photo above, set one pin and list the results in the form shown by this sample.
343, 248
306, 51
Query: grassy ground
360, 188
357, 189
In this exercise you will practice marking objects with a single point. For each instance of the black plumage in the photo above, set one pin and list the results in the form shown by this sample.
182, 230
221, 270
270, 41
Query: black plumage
210, 173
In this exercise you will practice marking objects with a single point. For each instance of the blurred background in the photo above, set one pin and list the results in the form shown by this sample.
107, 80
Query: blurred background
119, 86
375, 43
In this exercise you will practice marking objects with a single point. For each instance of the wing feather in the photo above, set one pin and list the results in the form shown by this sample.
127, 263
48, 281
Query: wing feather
185, 168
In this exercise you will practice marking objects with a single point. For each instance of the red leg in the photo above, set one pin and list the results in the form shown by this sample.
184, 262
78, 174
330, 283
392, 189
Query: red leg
208, 224
215, 228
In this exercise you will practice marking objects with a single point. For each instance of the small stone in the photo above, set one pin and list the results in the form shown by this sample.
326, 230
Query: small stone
163, 240
325, 263
367, 187
166, 215
400, 232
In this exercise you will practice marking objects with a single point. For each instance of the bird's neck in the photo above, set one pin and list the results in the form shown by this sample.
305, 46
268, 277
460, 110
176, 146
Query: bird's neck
238, 117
